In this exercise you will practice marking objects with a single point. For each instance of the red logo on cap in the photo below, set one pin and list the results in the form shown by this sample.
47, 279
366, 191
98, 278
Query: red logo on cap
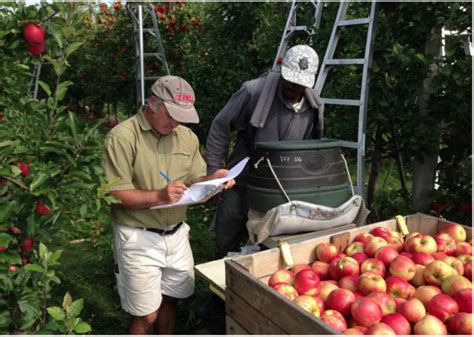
183, 97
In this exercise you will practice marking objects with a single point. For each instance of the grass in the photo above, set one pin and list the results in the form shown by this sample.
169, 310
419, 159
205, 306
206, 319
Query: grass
86, 272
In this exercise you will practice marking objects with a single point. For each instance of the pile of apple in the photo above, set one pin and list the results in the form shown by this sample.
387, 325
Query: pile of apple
386, 284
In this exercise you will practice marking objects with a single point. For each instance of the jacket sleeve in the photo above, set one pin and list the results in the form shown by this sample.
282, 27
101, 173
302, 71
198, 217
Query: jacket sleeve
220, 132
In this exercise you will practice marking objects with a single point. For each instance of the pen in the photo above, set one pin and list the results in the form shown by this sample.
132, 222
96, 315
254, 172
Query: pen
166, 177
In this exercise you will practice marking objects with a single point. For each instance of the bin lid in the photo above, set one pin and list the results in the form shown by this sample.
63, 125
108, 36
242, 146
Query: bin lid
291, 145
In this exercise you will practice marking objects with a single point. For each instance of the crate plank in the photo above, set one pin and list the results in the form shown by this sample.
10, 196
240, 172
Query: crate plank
234, 328
243, 313
289, 317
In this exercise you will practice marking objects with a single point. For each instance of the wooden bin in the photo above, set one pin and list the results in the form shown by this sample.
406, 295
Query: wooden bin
252, 307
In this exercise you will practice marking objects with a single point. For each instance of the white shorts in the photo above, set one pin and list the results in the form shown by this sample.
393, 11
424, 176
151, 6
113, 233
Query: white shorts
151, 265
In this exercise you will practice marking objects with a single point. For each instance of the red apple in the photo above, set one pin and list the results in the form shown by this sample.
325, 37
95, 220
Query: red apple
334, 319
374, 244
299, 267
343, 267
463, 248
360, 257
454, 263
454, 283
33, 34
308, 303
307, 282
349, 282
396, 243
430, 325
374, 266
385, 301
326, 252
421, 243
403, 267
386, 254
399, 302
436, 272
456, 231
398, 287
380, 329
322, 305
446, 243
381, 232
422, 258
406, 254
363, 237
370, 282
341, 300
463, 323
452, 322
326, 289
286, 290
418, 280
322, 269
413, 310
464, 299
426, 293
442, 306
411, 235
355, 247
468, 270
439, 255
365, 311
282, 275
353, 331
398, 323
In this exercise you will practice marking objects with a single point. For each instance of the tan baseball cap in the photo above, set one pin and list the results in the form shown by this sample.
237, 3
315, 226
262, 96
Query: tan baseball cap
178, 97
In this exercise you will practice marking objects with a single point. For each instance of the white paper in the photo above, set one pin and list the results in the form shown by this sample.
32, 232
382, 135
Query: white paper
201, 192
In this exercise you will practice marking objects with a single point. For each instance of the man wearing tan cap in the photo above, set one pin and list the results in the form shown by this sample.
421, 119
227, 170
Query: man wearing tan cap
150, 159
278, 106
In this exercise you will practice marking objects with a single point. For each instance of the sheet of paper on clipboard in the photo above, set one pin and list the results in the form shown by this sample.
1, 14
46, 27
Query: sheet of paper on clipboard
201, 192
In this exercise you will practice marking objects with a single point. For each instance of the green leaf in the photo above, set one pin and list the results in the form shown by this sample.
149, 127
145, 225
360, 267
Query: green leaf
6, 209
75, 308
82, 328
43, 250
45, 87
57, 313
67, 300
5, 239
5, 319
72, 48
83, 210
54, 257
9, 257
34, 267
73, 123
16, 171
38, 181
58, 36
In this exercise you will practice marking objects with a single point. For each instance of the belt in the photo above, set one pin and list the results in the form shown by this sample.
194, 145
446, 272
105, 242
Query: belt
164, 231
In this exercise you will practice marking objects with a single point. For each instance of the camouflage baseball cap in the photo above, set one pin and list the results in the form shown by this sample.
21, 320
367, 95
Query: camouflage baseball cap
300, 65
178, 97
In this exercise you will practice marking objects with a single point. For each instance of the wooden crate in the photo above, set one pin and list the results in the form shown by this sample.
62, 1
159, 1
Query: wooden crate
255, 308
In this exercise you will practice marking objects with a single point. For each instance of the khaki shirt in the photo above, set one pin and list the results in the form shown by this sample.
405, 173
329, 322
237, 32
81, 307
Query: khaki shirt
134, 156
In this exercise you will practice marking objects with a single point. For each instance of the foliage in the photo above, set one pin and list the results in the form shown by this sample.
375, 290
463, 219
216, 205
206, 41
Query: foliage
49, 165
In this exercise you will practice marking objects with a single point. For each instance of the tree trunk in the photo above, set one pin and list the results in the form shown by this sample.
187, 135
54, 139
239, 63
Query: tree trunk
424, 168
375, 165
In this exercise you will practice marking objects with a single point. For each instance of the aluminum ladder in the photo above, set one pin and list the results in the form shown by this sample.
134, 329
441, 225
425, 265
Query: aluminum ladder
329, 62
33, 85
292, 27
145, 25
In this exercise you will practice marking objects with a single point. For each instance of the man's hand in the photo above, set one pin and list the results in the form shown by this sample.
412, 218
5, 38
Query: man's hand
172, 193
221, 173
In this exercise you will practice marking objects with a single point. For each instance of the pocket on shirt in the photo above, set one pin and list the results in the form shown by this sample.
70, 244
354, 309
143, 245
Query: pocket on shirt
179, 165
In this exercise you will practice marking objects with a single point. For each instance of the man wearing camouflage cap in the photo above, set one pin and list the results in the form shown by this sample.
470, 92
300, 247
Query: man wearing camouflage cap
150, 159
277, 106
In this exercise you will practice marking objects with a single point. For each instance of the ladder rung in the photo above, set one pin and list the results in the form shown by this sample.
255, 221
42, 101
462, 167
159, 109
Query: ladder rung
297, 28
339, 101
345, 61
351, 145
151, 55
353, 22
150, 78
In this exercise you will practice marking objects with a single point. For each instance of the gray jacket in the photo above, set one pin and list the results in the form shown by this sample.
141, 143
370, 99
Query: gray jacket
282, 123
